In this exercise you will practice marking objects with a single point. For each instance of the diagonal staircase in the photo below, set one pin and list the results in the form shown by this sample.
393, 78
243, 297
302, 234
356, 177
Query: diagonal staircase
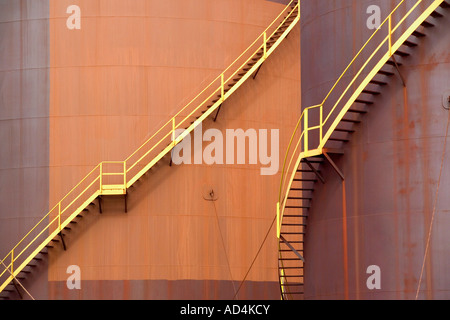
336, 119
115, 178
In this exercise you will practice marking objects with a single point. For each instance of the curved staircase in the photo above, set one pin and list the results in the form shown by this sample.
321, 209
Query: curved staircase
115, 178
329, 125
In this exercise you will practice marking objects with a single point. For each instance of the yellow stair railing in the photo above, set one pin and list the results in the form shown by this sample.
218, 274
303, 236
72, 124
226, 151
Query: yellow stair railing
375, 53
115, 177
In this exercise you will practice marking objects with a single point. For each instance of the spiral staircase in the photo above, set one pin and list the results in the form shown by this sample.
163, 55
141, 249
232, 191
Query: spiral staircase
329, 125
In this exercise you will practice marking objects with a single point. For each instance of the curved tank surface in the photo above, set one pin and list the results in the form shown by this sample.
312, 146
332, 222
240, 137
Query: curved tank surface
386, 222
73, 96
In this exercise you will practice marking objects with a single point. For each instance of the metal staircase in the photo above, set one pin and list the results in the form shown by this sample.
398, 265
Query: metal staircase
115, 178
336, 118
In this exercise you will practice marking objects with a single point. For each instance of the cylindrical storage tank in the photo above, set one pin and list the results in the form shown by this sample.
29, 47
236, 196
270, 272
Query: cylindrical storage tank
113, 80
381, 232
24, 126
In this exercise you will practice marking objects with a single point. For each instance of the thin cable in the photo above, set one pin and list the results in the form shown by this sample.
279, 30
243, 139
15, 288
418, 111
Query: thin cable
17, 281
434, 207
257, 254
224, 248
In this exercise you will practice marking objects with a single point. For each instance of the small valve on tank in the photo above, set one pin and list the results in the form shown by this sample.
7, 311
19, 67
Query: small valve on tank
446, 100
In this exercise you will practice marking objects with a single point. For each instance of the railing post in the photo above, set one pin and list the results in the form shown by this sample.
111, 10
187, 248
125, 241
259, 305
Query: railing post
125, 174
101, 177
390, 35
12, 261
321, 124
59, 216
278, 220
265, 45
222, 87
173, 132
305, 124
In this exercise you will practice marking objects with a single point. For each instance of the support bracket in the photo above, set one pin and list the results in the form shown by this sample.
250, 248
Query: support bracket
14, 281
126, 201
398, 70
100, 204
257, 70
335, 167
314, 170
61, 235
218, 110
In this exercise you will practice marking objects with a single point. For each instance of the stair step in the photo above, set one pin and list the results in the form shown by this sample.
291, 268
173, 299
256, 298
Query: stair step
427, 24
419, 34
374, 93
290, 284
436, 14
386, 73
401, 53
295, 216
288, 293
410, 44
392, 63
302, 189
344, 130
300, 198
283, 233
296, 207
380, 83
306, 171
291, 242
351, 120
363, 101
339, 140
445, 4
357, 111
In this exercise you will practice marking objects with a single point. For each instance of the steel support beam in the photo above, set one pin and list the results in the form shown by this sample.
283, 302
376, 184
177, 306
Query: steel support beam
61, 235
314, 170
335, 167
398, 71
257, 70
218, 110
292, 248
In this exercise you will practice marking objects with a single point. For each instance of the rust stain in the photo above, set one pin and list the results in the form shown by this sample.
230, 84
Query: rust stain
425, 161
405, 172
345, 240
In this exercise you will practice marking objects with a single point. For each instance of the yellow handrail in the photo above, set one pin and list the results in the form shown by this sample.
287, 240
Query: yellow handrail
288, 172
87, 194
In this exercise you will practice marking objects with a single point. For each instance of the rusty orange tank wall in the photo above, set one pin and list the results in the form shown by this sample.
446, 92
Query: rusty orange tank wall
381, 215
132, 65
